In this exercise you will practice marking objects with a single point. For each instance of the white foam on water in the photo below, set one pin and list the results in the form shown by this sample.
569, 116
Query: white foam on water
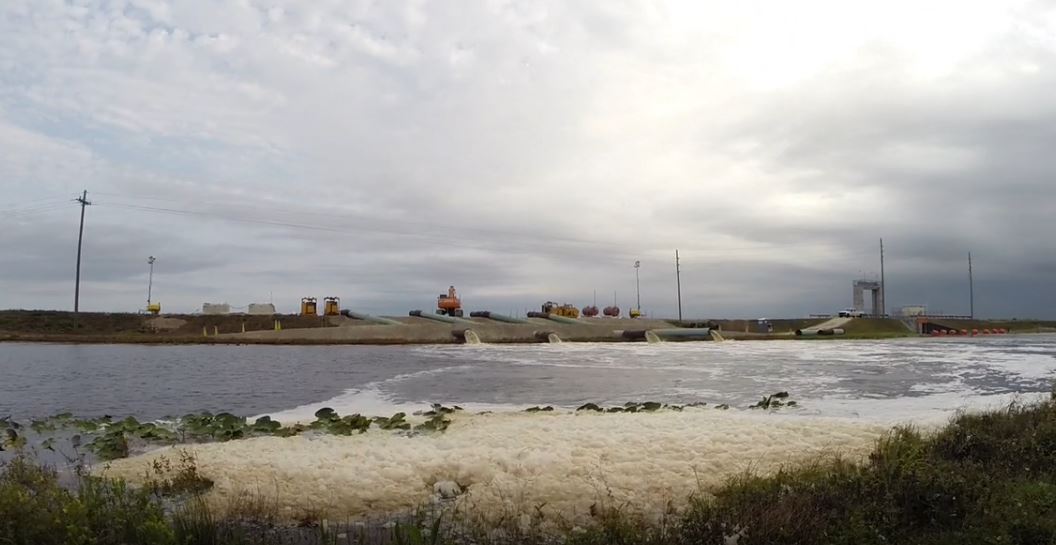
514, 462
927, 410
368, 400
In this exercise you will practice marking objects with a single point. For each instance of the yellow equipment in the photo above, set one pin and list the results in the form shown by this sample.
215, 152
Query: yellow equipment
636, 313
566, 310
309, 307
332, 306
154, 308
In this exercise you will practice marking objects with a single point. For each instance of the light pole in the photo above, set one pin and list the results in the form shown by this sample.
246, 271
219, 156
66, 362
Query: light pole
150, 280
638, 285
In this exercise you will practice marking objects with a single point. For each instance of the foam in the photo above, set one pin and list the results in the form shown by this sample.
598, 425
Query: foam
563, 462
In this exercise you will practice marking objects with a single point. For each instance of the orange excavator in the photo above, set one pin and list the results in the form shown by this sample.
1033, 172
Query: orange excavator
449, 303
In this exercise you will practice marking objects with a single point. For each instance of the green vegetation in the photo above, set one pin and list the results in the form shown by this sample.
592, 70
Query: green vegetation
109, 439
52, 325
985, 478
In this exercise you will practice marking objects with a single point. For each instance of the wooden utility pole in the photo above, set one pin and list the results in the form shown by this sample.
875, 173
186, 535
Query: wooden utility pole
971, 289
83, 199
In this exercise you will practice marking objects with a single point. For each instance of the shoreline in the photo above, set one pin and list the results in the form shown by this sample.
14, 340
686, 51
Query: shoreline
294, 330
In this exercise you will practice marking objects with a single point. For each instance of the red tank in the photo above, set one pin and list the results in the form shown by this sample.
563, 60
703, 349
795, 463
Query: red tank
590, 311
613, 311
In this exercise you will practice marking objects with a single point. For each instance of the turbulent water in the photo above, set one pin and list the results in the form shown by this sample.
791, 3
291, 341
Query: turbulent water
887, 379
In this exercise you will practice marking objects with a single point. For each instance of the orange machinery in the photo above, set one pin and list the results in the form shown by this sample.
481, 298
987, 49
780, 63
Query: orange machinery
309, 307
331, 306
449, 303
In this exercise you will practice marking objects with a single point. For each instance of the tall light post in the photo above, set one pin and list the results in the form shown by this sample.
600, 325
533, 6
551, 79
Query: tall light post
638, 285
150, 280
678, 283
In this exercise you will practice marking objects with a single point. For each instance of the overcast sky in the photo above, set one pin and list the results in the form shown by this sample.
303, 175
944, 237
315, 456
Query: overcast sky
524, 151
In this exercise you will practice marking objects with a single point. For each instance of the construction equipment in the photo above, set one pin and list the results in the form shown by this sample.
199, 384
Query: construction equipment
566, 310
590, 311
635, 313
449, 304
611, 312
309, 306
331, 306
154, 308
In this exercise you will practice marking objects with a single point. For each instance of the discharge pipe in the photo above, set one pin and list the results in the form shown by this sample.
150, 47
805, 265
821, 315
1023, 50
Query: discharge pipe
368, 318
497, 317
820, 332
554, 318
683, 334
438, 317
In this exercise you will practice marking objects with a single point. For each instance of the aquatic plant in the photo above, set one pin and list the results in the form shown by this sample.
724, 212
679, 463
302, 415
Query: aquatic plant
537, 409
395, 422
773, 401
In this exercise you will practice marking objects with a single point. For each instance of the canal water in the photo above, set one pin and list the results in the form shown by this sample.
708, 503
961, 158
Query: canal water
882, 379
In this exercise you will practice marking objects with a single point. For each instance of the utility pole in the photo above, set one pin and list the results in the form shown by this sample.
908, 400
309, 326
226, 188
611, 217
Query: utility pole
971, 289
83, 199
638, 284
678, 283
883, 286
150, 280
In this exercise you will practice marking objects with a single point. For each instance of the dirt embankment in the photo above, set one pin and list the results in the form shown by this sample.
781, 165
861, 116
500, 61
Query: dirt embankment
62, 326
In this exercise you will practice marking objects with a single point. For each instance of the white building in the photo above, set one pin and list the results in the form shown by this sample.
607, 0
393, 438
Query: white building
216, 308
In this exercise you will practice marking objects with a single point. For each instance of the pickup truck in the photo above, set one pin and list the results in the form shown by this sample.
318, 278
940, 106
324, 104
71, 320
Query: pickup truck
851, 313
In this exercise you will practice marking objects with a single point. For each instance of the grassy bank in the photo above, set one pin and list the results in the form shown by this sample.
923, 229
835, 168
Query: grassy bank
984, 478
129, 327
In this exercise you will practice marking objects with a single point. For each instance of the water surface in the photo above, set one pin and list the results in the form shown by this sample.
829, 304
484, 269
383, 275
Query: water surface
839, 378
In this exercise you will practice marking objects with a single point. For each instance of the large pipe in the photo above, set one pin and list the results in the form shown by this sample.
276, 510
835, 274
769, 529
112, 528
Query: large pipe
820, 332
438, 317
467, 336
368, 318
683, 334
542, 336
497, 317
631, 334
554, 317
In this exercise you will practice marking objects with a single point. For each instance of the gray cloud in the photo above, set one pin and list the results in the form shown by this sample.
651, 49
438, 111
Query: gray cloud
529, 151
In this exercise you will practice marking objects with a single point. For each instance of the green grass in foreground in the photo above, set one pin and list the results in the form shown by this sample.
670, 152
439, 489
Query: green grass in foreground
985, 478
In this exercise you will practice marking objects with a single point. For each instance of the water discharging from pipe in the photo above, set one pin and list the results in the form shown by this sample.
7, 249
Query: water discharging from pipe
716, 337
652, 338
471, 337
553, 339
